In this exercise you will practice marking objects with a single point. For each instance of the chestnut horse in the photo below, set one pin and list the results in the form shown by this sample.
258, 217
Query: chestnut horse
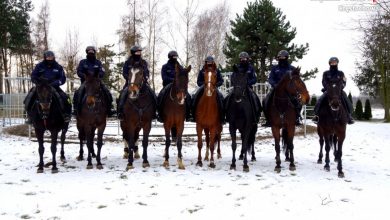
282, 113
138, 113
174, 111
92, 117
332, 125
207, 116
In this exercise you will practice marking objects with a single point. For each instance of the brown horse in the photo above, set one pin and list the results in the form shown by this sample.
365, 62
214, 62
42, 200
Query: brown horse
207, 116
332, 125
282, 113
138, 113
92, 117
174, 112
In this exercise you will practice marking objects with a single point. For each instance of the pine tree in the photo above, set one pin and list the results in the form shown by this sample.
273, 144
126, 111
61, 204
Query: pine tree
359, 110
367, 110
313, 100
350, 98
262, 30
106, 55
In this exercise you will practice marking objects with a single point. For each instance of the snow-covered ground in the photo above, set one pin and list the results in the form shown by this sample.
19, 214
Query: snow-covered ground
199, 193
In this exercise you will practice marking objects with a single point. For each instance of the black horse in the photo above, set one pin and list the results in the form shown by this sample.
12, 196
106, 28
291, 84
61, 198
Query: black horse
46, 115
241, 117
138, 112
92, 117
332, 124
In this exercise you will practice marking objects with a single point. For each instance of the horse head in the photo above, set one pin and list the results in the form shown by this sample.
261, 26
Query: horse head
210, 79
294, 86
239, 82
333, 90
180, 83
92, 89
136, 75
45, 96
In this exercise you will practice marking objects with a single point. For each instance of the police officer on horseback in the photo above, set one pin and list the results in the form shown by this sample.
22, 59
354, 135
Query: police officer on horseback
88, 66
134, 60
49, 70
330, 76
209, 62
277, 72
245, 67
168, 72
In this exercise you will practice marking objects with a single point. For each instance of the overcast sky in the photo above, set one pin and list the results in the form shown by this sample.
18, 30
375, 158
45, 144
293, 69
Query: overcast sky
325, 24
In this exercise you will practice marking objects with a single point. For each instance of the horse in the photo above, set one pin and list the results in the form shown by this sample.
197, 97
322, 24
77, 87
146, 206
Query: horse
208, 118
46, 115
283, 113
241, 117
174, 111
138, 113
92, 117
332, 124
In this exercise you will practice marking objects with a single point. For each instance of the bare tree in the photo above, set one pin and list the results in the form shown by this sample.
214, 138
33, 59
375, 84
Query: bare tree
70, 57
208, 36
128, 32
40, 30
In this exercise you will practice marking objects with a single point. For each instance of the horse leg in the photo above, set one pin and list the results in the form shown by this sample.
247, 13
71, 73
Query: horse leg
136, 138
53, 148
290, 146
245, 138
252, 145
285, 143
145, 140
213, 134
234, 147
125, 149
340, 154
81, 138
219, 145
327, 149
207, 134
179, 146
276, 134
100, 132
89, 136
63, 136
41, 149
335, 148
200, 143
167, 144
320, 155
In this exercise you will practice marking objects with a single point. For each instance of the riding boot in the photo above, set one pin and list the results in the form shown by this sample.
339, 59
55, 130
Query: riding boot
121, 103
28, 103
160, 98
188, 108
350, 119
348, 105
107, 93
151, 92
195, 100
220, 107
68, 109
265, 109
75, 102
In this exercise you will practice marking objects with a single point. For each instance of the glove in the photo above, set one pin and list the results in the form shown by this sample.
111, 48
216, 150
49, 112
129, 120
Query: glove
323, 90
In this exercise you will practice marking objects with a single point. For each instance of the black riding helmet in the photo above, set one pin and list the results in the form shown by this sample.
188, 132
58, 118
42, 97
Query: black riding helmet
134, 49
283, 53
332, 59
172, 54
89, 48
209, 59
244, 55
48, 53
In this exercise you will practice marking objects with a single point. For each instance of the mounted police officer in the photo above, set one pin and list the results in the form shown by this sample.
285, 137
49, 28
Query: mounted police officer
330, 76
277, 72
88, 66
245, 67
134, 60
53, 72
209, 63
168, 73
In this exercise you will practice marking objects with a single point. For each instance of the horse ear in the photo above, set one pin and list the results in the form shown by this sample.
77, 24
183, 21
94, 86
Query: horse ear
298, 70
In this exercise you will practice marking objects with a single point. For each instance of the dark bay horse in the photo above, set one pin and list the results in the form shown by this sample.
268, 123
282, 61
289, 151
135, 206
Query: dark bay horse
241, 117
138, 113
207, 116
282, 113
332, 125
46, 115
174, 112
92, 117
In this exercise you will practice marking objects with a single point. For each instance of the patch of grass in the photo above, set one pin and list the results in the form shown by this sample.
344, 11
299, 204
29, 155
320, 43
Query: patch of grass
25, 216
102, 206
141, 204
30, 194
25, 180
18, 130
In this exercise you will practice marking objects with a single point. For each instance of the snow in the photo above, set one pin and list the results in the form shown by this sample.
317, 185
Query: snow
195, 193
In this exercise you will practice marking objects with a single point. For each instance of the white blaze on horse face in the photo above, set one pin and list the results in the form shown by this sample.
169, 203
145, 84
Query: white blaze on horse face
209, 93
134, 72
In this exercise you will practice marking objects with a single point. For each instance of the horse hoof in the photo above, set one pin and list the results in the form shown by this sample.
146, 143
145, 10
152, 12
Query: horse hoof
181, 167
99, 166
145, 165
240, 157
233, 167
48, 164
292, 168
319, 161
40, 170
89, 166
126, 156
166, 164
219, 156
206, 158
253, 159
341, 175
246, 169
79, 158
63, 160
54, 170
278, 169
136, 155
129, 167
327, 168
199, 163
212, 165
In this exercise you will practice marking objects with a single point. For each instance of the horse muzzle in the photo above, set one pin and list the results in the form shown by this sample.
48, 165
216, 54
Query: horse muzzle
181, 96
90, 102
334, 105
